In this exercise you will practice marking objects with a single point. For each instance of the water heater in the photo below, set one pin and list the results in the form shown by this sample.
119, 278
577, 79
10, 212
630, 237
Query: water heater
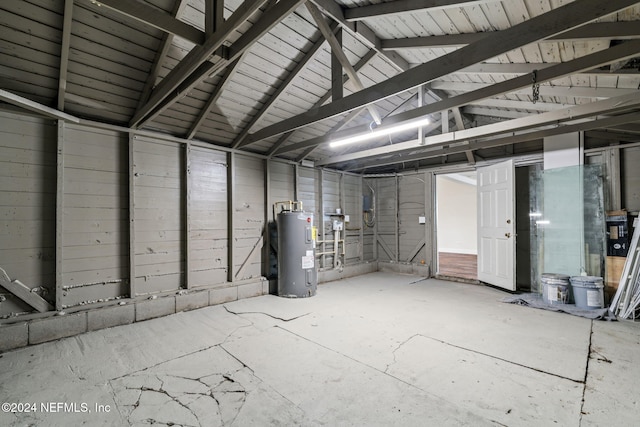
297, 273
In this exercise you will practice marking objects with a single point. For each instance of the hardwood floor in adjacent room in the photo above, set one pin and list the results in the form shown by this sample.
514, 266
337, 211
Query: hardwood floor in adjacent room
464, 266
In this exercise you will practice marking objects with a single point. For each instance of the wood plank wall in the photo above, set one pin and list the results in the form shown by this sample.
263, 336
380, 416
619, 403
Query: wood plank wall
352, 206
248, 217
397, 235
27, 205
158, 175
81, 219
95, 215
208, 207
411, 205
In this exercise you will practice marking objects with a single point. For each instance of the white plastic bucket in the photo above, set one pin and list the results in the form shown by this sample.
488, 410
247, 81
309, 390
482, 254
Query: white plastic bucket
588, 292
556, 288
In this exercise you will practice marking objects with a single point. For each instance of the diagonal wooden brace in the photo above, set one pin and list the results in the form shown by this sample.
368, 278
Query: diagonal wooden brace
24, 293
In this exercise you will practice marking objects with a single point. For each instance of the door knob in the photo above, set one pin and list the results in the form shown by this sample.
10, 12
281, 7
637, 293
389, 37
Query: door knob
508, 221
507, 235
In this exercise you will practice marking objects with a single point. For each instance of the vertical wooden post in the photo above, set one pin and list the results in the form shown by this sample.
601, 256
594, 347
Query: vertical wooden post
361, 219
397, 219
266, 236
296, 182
231, 164
375, 224
187, 219
213, 15
60, 215
132, 217
429, 226
321, 231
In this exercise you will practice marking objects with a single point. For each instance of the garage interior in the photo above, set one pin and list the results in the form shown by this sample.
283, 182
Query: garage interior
148, 146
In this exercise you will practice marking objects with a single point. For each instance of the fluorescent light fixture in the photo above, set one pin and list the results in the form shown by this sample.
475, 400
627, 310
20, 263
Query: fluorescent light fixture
375, 133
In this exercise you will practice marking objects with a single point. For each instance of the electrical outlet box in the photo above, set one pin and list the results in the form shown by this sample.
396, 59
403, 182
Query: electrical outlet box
422, 220
346, 218
338, 225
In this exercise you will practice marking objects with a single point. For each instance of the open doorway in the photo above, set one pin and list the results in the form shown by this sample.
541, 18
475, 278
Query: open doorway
457, 222
456, 225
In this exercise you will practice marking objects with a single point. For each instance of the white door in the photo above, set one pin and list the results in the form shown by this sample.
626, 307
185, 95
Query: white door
496, 225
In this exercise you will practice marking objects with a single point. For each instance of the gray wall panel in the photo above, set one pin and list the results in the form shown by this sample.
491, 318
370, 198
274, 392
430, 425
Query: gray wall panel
353, 207
630, 178
282, 184
160, 224
386, 220
248, 217
307, 191
411, 204
27, 205
95, 252
208, 210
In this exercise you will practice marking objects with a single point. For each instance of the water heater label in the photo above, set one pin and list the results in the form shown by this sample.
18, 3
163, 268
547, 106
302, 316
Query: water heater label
307, 262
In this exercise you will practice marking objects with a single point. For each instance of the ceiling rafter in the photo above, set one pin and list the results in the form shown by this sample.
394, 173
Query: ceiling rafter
311, 144
224, 82
285, 137
361, 32
508, 140
154, 17
27, 104
622, 30
160, 57
615, 53
64, 52
615, 105
352, 115
494, 113
529, 67
545, 90
336, 49
404, 6
301, 65
271, 17
194, 59
533, 30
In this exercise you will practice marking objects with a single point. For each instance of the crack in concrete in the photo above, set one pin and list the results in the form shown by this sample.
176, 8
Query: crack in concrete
163, 362
176, 395
586, 373
393, 353
266, 314
503, 360
353, 359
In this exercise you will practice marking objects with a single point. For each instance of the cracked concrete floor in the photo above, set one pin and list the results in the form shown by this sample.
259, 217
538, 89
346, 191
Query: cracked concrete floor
382, 349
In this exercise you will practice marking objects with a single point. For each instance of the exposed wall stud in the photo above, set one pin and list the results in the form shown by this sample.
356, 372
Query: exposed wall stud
132, 216
60, 216
187, 216
231, 164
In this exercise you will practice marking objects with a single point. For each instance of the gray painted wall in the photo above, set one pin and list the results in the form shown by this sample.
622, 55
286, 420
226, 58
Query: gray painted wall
27, 205
85, 210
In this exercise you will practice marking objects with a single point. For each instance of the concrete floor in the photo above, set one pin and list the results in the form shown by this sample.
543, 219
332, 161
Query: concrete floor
381, 349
